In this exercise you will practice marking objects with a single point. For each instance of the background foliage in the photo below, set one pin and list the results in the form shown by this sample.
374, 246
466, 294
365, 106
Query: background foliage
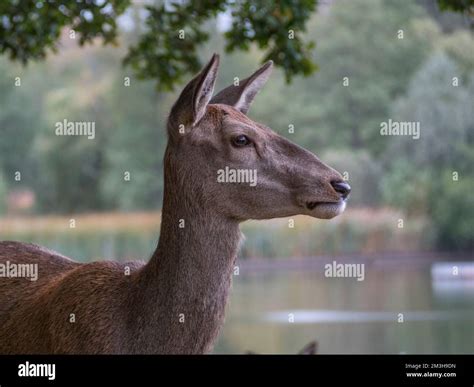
409, 79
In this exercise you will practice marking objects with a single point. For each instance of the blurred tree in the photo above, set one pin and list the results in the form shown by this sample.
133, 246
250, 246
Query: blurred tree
80, 174
72, 167
450, 15
362, 72
176, 31
459, 46
133, 176
452, 210
363, 172
17, 125
432, 172
3, 193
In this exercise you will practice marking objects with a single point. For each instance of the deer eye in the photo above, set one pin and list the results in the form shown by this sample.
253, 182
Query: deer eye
240, 141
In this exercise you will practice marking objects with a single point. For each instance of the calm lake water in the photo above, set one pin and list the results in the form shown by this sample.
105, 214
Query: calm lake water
349, 316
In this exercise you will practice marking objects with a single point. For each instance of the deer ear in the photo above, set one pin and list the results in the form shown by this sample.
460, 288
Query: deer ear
309, 349
242, 95
193, 100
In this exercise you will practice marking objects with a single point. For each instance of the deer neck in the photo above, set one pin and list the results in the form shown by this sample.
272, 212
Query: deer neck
183, 289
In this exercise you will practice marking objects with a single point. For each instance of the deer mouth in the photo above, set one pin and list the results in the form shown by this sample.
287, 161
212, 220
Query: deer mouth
313, 205
325, 210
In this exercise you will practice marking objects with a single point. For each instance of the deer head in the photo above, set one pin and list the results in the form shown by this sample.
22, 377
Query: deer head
223, 161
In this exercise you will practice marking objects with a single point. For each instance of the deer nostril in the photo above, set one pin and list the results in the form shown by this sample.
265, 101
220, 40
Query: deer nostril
342, 188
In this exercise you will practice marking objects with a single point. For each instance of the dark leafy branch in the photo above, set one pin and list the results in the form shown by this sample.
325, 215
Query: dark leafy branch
29, 28
168, 50
276, 27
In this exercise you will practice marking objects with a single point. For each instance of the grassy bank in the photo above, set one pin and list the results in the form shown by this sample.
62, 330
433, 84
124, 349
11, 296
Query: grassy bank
134, 235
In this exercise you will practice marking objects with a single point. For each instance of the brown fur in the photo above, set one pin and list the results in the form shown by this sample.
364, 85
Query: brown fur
175, 303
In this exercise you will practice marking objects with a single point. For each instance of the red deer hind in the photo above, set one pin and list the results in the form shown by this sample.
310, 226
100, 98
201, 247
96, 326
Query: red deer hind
175, 303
